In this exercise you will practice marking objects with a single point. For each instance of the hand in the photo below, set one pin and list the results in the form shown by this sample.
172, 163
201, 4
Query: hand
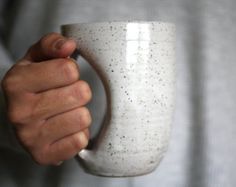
46, 99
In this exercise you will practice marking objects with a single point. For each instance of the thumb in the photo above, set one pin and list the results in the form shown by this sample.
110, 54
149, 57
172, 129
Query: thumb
52, 45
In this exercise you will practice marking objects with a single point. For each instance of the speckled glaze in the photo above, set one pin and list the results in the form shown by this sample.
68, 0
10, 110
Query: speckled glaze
136, 63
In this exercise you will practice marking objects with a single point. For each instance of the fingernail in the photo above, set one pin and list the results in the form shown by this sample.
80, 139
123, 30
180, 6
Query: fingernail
83, 139
59, 163
59, 43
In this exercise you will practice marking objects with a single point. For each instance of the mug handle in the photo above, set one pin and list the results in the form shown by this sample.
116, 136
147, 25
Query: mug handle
86, 154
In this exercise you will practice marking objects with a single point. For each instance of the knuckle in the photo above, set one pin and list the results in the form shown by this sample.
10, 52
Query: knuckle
85, 117
14, 116
43, 133
19, 113
79, 141
75, 93
10, 82
47, 41
40, 157
39, 105
69, 70
85, 92
26, 138
44, 40
6, 83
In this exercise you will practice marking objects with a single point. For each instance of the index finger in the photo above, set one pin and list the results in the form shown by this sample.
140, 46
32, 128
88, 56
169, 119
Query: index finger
38, 77
52, 45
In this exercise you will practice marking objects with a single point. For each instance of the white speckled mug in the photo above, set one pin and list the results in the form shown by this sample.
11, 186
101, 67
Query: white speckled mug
136, 63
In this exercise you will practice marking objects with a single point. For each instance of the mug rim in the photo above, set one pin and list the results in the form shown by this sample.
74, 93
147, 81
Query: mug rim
171, 24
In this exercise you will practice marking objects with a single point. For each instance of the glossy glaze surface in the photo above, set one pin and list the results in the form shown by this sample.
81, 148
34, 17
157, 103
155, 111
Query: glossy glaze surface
136, 63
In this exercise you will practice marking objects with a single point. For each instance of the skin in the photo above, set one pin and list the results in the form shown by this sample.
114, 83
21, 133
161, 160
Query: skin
45, 101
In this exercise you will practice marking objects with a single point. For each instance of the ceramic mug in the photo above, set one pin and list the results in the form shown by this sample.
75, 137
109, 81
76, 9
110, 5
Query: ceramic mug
136, 63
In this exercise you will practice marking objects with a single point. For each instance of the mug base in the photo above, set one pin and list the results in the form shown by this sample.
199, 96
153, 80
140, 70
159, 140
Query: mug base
118, 175
117, 172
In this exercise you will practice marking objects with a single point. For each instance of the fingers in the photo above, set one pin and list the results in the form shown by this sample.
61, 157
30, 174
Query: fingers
60, 100
52, 45
67, 147
66, 124
38, 77
60, 138
45, 101
63, 149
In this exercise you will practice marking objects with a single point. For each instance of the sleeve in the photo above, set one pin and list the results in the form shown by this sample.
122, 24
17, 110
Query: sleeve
7, 136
